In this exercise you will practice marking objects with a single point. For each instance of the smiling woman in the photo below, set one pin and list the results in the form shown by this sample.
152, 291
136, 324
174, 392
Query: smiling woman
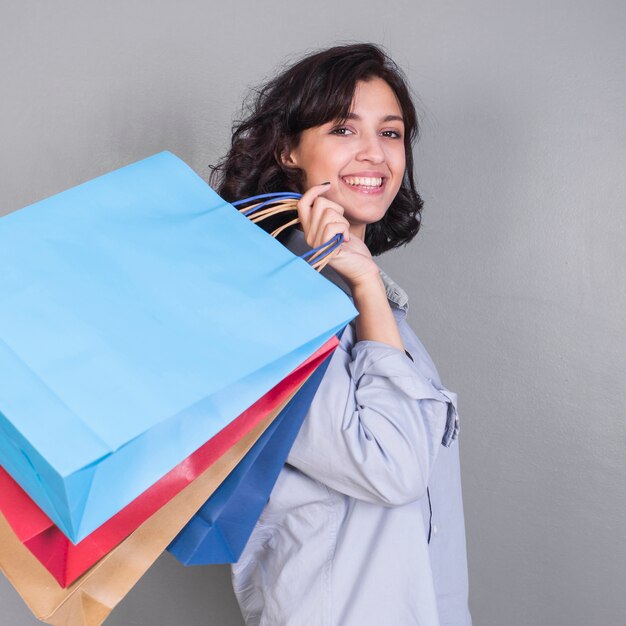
365, 524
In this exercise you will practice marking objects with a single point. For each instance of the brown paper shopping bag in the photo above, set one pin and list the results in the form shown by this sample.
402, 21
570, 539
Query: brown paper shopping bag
92, 597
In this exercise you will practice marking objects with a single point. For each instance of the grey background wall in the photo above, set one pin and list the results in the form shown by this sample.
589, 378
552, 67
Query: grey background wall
517, 280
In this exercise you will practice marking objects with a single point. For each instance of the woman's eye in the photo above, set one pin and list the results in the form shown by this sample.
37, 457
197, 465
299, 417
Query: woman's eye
394, 134
341, 130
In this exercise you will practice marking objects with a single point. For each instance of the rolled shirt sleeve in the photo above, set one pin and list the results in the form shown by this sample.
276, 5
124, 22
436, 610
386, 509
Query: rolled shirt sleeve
374, 428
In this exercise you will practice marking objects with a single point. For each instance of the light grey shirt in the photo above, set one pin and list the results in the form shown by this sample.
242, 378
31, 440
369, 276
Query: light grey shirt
365, 524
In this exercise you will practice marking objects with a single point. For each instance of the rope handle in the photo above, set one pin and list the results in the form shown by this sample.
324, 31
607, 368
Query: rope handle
258, 208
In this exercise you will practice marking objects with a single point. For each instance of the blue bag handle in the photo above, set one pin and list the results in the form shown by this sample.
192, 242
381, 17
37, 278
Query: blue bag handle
259, 207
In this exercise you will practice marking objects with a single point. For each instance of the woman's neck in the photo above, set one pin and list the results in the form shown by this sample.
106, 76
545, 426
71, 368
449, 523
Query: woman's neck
358, 230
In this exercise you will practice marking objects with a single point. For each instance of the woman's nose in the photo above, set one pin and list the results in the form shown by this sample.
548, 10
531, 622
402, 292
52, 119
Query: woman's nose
371, 149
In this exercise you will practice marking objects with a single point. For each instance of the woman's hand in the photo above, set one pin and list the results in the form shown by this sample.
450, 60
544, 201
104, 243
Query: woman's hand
321, 220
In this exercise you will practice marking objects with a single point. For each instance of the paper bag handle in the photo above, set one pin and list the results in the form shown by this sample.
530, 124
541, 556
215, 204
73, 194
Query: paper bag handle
258, 208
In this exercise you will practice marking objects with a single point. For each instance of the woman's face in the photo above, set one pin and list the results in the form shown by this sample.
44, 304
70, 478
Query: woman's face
363, 158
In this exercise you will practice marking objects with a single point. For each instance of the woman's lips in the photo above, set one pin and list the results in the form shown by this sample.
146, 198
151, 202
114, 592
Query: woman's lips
364, 184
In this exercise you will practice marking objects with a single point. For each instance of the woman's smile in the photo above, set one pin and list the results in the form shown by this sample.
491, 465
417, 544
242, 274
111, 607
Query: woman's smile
365, 182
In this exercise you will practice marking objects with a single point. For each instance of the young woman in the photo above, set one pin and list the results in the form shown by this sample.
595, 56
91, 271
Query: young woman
365, 524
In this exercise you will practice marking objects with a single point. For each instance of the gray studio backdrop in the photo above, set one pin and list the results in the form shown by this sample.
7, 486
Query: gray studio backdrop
517, 280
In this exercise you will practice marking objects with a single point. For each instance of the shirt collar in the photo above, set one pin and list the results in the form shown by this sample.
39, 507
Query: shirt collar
398, 298
395, 294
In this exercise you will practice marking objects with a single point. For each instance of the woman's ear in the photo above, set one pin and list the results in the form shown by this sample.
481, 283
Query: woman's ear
288, 157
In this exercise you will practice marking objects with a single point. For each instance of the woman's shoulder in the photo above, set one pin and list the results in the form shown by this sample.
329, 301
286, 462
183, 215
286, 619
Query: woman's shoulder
398, 300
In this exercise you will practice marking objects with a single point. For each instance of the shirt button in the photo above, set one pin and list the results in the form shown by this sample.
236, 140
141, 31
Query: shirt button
435, 529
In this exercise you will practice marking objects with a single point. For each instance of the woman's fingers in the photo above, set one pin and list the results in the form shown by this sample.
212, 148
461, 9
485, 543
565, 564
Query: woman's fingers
325, 223
321, 218
324, 212
305, 204
330, 230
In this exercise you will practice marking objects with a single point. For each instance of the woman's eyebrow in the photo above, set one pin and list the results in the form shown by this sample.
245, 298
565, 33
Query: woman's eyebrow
387, 118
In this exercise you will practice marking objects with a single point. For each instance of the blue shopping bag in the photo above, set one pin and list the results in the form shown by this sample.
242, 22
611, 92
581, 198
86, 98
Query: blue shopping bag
139, 314
220, 530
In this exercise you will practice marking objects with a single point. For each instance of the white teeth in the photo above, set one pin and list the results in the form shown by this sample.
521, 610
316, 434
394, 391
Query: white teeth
362, 181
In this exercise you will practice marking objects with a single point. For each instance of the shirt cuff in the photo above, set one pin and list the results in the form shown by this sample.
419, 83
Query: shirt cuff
380, 359
451, 432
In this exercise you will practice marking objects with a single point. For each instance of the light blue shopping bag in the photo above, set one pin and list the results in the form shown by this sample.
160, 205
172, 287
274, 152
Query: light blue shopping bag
139, 314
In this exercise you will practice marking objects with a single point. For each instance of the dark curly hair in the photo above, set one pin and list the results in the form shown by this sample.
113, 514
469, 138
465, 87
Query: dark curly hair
316, 90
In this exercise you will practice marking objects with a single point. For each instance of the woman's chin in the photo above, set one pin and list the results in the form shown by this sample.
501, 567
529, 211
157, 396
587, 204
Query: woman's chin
365, 216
